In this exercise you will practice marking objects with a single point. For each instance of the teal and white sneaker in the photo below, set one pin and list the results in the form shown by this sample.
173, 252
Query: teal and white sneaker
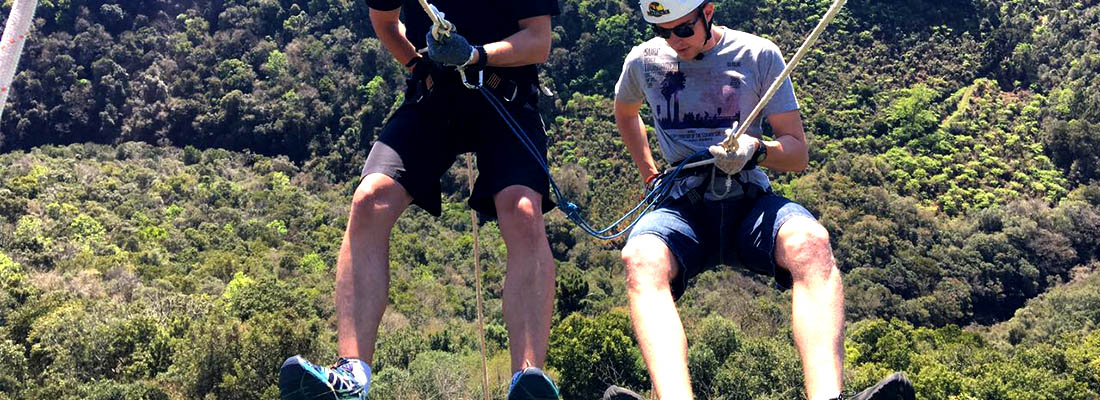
299, 379
532, 384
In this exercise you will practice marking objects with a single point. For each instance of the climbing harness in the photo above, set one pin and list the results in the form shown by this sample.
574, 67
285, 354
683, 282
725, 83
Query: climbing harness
11, 45
731, 142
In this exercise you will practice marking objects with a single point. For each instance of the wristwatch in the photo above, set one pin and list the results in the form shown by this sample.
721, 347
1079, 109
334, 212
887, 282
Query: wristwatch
758, 156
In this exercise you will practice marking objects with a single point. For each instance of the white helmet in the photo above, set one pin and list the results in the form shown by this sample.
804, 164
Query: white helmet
661, 11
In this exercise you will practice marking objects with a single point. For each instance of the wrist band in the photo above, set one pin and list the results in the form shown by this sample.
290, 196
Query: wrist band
758, 155
412, 62
483, 57
651, 178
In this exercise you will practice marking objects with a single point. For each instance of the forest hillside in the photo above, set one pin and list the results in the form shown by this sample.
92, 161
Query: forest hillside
175, 178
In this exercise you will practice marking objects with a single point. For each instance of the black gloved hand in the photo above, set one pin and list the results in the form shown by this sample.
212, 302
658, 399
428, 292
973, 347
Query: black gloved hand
450, 50
422, 68
421, 79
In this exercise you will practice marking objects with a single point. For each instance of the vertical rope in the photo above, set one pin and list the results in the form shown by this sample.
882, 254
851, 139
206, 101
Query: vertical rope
11, 45
440, 26
477, 284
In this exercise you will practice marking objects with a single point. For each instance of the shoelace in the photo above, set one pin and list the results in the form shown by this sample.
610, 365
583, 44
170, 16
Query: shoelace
335, 373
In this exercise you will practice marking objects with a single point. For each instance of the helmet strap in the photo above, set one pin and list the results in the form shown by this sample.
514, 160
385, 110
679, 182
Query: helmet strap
706, 27
706, 23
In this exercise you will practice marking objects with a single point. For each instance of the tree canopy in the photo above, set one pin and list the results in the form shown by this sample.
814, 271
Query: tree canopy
175, 179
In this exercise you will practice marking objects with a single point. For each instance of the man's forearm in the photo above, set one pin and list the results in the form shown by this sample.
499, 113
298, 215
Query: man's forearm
391, 32
789, 152
531, 45
522, 48
786, 154
632, 130
396, 43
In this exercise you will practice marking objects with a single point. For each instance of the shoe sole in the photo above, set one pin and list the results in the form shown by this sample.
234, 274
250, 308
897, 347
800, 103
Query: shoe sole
617, 393
296, 383
533, 387
894, 387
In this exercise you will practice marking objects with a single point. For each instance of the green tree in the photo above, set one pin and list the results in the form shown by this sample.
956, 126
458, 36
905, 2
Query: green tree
592, 353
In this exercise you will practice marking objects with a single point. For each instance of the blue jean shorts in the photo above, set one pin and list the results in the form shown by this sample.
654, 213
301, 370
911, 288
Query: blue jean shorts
705, 233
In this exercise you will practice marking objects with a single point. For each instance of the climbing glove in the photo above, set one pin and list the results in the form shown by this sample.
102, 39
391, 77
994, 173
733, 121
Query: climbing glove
450, 50
732, 162
422, 68
420, 79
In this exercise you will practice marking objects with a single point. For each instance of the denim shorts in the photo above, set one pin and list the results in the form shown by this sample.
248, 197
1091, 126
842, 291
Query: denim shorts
706, 233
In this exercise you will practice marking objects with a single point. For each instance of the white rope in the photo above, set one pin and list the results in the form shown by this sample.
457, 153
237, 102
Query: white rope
731, 142
477, 285
442, 27
11, 45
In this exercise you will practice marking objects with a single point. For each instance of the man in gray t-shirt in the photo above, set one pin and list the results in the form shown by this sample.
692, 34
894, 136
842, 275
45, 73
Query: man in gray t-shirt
699, 81
694, 101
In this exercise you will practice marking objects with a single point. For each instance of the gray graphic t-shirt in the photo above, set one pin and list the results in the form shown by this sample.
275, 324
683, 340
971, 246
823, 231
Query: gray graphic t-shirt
695, 101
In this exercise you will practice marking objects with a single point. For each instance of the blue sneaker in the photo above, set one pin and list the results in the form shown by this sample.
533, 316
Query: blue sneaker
532, 384
302, 380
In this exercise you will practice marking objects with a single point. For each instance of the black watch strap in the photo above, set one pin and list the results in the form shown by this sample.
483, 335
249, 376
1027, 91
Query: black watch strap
758, 156
482, 56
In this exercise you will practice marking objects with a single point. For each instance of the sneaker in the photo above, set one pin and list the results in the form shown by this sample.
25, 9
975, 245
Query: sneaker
302, 380
893, 387
532, 384
620, 393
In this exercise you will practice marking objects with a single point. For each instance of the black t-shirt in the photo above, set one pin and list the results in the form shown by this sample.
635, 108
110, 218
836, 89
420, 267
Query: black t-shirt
480, 22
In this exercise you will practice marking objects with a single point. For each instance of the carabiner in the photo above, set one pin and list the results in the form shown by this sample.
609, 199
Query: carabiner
480, 78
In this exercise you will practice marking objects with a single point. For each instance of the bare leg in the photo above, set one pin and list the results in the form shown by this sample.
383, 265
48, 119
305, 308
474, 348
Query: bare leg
817, 304
649, 268
362, 269
529, 280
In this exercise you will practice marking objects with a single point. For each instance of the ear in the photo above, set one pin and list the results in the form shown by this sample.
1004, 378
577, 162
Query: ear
708, 10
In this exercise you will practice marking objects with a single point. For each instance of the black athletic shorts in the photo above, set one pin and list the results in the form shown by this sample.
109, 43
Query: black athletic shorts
423, 138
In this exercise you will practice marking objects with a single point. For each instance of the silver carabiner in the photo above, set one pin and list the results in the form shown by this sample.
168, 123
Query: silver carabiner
480, 78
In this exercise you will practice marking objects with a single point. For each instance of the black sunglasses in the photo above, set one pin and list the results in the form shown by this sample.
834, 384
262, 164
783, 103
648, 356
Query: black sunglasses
684, 30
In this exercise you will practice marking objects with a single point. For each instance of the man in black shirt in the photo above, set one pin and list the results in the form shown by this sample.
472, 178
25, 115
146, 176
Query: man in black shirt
440, 119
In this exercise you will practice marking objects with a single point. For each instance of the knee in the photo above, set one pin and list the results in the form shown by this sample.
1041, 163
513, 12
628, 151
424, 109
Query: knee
648, 264
376, 196
803, 248
519, 210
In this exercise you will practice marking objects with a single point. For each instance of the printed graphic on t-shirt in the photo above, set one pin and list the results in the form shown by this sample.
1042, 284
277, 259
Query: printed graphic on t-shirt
695, 110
